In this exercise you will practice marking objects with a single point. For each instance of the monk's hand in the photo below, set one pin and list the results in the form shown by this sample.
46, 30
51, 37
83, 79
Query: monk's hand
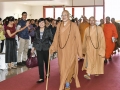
50, 51
115, 39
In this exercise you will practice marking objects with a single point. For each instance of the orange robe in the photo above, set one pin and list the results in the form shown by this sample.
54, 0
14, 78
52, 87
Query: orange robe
67, 57
82, 28
109, 32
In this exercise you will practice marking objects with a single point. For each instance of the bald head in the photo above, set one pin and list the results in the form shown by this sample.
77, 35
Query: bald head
107, 20
92, 18
92, 21
101, 21
113, 20
65, 15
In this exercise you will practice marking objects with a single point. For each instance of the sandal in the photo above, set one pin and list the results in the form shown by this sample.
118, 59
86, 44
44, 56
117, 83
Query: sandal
97, 75
87, 77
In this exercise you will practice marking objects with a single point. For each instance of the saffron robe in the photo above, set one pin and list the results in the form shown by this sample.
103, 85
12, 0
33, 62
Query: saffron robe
102, 25
82, 28
94, 58
109, 32
68, 55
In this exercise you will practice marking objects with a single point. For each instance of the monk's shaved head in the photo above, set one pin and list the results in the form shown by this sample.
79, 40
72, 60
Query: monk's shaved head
65, 15
107, 19
92, 21
113, 20
92, 18
66, 11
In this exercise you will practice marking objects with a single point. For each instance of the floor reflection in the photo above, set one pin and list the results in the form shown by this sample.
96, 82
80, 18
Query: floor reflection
5, 74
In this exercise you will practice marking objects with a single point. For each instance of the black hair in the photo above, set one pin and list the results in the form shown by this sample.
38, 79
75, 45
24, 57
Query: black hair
24, 13
41, 19
73, 20
8, 19
47, 19
16, 19
0, 19
28, 19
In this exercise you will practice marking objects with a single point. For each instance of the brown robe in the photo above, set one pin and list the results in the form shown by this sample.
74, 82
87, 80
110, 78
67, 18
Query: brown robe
117, 25
67, 57
94, 58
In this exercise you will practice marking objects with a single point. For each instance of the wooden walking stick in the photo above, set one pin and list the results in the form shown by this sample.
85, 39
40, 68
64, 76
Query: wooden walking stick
48, 71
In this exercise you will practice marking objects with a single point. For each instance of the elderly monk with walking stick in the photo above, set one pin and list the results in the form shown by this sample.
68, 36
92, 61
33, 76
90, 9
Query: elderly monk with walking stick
67, 42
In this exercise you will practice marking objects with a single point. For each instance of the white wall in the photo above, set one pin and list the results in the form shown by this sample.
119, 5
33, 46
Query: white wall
112, 9
37, 12
86, 2
10, 9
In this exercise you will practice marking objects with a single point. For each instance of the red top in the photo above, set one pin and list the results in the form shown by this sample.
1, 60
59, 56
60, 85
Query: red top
12, 30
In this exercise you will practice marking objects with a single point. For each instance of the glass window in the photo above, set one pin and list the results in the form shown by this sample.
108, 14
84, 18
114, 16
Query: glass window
89, 11
58, 12
99, 14
112, 9
49, 12
78, 12
69, 10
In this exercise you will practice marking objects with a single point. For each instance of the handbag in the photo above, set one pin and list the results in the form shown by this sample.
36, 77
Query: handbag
32, 61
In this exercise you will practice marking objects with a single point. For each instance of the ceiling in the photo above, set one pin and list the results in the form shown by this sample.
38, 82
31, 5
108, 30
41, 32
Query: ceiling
39, 2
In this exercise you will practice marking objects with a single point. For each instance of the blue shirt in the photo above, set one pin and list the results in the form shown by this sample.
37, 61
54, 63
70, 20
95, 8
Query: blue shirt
25, 33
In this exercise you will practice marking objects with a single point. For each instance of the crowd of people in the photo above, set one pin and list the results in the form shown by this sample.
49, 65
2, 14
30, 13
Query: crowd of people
72, 39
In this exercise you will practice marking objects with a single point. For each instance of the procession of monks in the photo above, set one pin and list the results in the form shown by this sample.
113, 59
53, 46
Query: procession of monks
89, 41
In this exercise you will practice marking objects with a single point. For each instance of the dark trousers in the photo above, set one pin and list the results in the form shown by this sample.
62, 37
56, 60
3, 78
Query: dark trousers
2, 45
42, 57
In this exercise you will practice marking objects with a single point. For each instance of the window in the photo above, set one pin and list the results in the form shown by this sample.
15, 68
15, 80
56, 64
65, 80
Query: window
112, 9
89, 11
99, 14
78, 12
49, 12
58, 12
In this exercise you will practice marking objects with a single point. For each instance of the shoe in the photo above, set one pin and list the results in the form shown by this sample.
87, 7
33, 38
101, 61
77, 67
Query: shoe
20, 64
110, 59
40, 81
24, 62
105, 61
67, 86
87, 77
97, 75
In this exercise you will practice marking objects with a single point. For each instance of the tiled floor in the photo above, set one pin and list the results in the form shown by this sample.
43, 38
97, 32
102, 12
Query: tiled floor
5, 74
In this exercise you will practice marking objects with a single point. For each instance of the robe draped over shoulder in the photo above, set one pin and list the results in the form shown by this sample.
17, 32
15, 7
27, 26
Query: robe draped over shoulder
109, 32
67, 55
94, 50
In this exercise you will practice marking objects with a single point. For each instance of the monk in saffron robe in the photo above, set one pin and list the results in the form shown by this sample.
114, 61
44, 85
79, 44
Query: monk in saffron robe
93, 50
109, 32
117, 44
67, 42
101, 23
83, 26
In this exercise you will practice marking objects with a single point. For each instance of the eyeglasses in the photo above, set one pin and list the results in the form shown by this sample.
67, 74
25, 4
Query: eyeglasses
64, 15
